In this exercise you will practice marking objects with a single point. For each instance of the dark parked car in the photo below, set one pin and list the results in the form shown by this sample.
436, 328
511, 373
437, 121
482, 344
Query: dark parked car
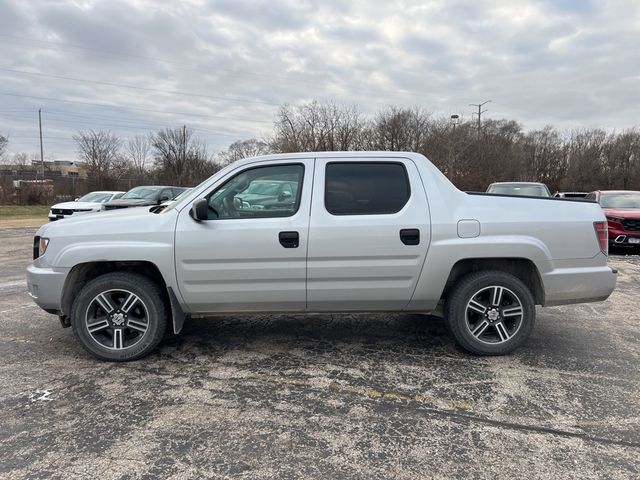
622, 209
570, 194
144, 197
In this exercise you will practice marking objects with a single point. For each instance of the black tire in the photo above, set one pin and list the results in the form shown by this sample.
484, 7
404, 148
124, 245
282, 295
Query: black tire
142, 326
501, 328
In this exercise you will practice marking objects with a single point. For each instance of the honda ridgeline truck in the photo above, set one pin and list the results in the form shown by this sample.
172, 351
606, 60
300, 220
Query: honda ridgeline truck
321, 232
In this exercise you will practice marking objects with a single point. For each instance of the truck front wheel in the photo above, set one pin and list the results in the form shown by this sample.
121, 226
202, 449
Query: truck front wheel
119, 316
490, 312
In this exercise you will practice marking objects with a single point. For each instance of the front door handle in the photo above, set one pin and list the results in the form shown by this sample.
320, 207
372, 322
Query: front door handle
289, 239
410, 236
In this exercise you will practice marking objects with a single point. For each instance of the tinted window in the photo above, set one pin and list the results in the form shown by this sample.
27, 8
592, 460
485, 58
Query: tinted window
365, 188
262, 192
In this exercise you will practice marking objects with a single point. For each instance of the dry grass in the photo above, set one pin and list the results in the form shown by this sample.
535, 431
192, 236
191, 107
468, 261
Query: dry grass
14, 216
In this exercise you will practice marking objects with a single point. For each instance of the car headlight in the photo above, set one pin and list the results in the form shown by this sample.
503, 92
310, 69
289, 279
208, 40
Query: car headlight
40, 245
615, 219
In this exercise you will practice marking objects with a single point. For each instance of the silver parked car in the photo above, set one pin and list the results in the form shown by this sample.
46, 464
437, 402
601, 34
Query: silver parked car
360, 232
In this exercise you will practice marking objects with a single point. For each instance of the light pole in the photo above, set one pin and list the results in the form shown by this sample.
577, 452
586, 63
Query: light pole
455, 119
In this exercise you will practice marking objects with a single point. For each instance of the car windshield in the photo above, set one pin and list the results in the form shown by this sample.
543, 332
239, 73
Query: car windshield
98, 197
620, 200
524, 190
141, 192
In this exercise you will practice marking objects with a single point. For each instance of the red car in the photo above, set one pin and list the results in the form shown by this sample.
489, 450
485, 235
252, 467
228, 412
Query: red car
622, 209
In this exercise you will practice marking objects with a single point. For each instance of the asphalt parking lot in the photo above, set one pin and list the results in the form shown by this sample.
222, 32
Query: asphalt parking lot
332, 396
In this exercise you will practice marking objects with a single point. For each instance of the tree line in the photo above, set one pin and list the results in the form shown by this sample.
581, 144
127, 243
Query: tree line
500, 150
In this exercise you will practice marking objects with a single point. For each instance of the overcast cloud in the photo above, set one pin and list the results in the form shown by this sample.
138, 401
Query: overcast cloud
224, 66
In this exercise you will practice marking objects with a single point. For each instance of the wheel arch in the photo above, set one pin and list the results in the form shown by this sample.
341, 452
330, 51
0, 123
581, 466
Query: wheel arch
522, 268
82, 273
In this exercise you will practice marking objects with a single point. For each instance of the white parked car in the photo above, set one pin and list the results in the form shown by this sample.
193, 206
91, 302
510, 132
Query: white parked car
91, 202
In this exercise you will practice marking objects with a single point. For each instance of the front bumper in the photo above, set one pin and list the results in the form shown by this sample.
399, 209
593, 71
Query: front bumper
45, 285
624, 239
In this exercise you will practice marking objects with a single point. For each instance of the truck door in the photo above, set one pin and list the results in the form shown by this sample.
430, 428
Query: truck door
251, 253
368, 236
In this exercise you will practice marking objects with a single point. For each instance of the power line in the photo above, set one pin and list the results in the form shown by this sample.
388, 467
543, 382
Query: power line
128, 125
135, 87
102, 105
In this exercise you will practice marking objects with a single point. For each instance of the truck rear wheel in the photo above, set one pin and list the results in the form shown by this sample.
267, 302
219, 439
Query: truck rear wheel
119, 316
490, 312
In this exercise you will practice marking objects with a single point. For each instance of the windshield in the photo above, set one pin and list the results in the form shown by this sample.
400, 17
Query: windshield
98, 197
524, 190
141, 192
620, 200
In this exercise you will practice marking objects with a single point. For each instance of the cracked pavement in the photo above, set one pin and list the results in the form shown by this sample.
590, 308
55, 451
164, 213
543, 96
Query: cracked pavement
322, 396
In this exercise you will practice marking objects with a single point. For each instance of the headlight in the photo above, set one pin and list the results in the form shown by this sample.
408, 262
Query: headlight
40, 245
615, 219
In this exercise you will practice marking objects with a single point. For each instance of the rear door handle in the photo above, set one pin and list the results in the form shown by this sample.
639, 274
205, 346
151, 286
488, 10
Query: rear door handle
289, 239
410, 236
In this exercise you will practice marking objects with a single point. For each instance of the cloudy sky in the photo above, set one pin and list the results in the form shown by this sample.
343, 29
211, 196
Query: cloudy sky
224, 66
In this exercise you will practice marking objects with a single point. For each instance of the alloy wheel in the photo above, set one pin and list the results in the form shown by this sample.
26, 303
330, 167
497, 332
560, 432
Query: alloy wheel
494, 314
117, 319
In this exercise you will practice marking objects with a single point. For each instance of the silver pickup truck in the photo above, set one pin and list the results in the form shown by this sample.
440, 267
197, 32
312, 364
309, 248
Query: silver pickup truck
321, 232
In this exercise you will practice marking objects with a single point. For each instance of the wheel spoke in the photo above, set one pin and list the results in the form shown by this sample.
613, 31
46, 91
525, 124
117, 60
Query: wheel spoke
477, 306
104, 302
129, 303
497, 296
97, 326
502, 331
512, 312
117, 339
137, 325
480, 328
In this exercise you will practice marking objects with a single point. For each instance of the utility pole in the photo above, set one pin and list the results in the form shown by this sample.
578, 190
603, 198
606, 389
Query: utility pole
480, 112
41, 149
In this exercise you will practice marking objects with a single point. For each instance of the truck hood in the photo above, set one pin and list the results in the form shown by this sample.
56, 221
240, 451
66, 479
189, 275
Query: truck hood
78, 205
622, 212
106, 223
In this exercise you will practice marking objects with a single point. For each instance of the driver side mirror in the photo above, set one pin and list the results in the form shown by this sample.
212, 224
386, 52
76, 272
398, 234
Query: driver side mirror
285, 195
200, 210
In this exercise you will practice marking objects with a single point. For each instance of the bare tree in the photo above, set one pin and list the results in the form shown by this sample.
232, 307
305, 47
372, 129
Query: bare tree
180, 159
317, 127
99, 151
3, 144
137, 150
400, 129
19, 159
243, 149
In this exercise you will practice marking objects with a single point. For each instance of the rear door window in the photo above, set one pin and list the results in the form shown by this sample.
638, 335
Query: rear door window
366, 188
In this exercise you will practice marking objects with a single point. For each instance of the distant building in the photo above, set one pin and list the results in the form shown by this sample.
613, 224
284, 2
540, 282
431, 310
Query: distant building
53, 168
